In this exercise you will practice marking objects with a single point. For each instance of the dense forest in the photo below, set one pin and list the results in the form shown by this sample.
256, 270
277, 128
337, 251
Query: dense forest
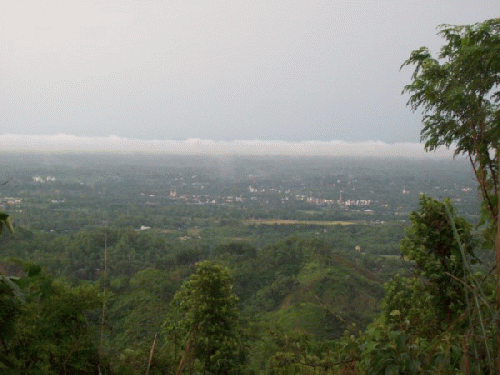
304, 281
299, 296
249, 267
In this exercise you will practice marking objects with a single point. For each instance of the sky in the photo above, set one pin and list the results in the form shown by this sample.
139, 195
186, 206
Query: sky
225, 72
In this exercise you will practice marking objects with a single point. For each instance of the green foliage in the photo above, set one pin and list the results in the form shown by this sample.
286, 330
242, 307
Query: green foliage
135, 313
296, 353
407, 298
459, 93
45, 326
236, 249
460, 97
430, 243
210, 322
307, 283
398, 351
439, 320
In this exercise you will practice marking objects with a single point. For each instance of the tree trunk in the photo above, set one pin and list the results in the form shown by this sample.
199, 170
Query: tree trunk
151, 355
497, 273
188, 351
497, 263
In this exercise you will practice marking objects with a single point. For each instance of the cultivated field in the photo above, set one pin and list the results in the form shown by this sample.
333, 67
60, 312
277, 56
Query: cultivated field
296, 222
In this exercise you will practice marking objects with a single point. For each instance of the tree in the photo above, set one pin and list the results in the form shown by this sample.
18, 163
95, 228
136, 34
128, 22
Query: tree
437, 254
210, 322
459, 93
44, 325
437, 320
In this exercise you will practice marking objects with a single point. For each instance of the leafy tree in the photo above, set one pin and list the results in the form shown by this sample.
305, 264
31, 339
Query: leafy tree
460, 97
135, 313
213, 338
44, 325
443, 300
459, 93
430, 243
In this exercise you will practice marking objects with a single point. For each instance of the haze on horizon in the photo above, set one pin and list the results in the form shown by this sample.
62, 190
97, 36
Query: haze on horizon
67, 143
289, 73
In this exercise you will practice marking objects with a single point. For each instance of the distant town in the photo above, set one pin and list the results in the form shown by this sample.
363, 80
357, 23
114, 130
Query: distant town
254, 187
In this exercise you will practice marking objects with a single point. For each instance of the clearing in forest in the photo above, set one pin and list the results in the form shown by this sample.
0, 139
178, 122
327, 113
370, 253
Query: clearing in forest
296, 222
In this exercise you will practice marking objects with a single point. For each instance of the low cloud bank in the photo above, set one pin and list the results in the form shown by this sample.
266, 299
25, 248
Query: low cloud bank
114, 144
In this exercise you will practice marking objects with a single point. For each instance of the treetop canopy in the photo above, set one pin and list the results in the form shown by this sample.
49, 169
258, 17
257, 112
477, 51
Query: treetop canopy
459, 90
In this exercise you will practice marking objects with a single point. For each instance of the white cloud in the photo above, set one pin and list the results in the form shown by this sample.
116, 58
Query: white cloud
114, 144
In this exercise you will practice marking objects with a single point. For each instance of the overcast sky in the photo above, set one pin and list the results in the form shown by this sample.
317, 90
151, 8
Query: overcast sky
223, 71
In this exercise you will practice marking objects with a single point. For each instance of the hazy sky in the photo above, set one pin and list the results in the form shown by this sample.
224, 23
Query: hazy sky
225, 70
